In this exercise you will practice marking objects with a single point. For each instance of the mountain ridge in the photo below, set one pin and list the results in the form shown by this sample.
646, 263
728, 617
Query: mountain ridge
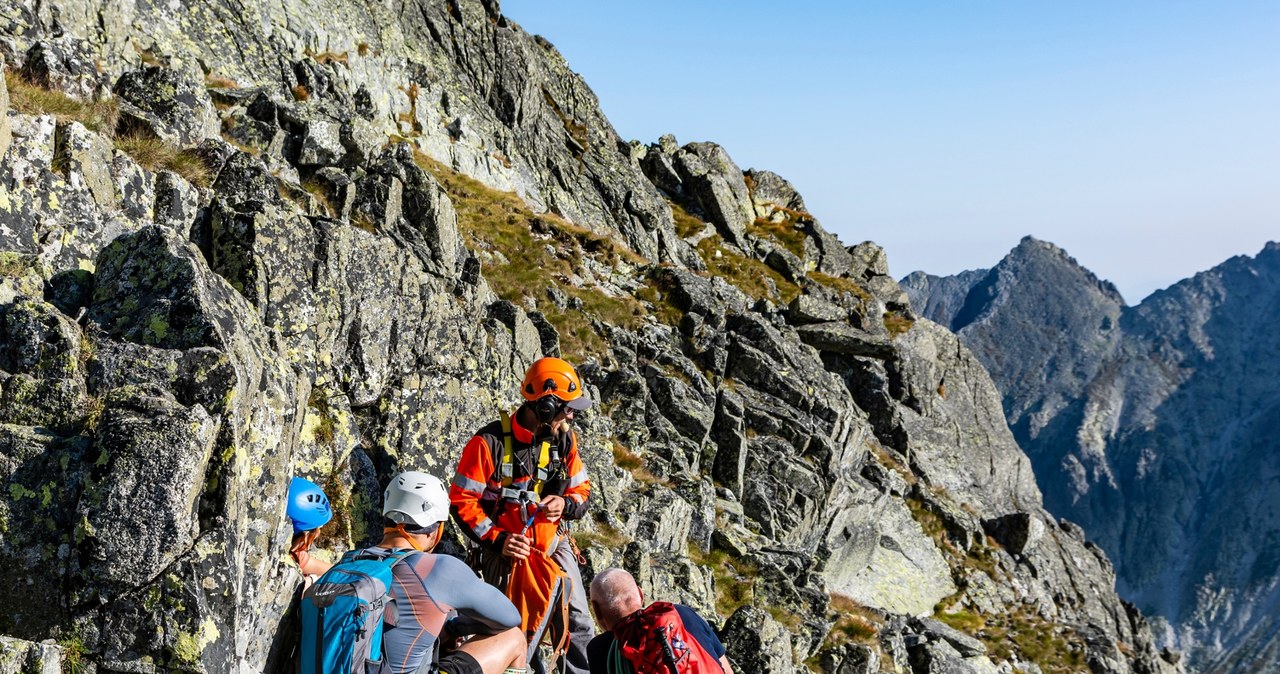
1123, 418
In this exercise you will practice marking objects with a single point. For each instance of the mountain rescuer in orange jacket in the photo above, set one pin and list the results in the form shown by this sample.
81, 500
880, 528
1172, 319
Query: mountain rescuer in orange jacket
519, 479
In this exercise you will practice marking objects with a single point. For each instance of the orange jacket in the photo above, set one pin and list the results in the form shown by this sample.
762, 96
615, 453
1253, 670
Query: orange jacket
476, 494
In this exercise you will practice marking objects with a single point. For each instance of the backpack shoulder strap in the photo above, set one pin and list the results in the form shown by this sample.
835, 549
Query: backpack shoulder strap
616, 664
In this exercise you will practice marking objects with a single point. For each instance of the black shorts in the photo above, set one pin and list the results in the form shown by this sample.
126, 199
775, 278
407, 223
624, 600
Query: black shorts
458, 662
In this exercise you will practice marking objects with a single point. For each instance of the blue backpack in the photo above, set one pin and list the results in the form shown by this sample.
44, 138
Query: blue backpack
342, 615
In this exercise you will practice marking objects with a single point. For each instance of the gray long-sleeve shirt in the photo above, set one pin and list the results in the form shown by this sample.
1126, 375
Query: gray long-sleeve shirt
426, 588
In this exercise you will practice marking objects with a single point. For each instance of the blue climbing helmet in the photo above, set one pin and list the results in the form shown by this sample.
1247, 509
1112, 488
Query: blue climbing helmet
308, 506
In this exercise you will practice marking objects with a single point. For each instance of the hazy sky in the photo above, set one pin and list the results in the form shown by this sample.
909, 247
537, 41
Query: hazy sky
1143, 137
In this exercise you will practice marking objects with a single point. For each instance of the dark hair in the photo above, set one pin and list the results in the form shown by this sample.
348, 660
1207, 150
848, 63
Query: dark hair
387, 522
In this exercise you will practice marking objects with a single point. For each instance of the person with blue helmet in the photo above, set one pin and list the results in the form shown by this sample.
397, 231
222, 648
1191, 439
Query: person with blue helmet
308, 510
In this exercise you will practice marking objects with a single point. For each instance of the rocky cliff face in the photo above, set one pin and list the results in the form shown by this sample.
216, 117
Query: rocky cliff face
1154, 426
242, 246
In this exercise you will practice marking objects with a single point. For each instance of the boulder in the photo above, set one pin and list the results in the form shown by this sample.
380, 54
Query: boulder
64, 64
28, 657
142, 514
810, 309
322, 143
938, 657
843, 338
1017, 532
964, 644
757, 643
850, 659
166, 104
85, 158
770, 189
6, 134
716, 183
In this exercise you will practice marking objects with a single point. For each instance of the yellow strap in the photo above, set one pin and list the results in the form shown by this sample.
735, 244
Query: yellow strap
507, 469
543, 460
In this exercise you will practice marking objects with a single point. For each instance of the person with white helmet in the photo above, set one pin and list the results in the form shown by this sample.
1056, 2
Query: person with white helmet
428, 588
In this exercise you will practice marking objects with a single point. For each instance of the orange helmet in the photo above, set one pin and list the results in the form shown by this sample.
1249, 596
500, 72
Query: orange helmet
553, 376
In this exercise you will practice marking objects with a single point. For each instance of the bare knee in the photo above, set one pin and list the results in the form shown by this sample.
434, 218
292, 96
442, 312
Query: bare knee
498, 651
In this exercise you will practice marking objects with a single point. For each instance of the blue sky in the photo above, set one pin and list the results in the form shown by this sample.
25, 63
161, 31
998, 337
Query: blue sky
1143, 137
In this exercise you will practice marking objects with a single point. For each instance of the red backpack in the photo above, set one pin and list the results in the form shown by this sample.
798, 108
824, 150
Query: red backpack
654, 641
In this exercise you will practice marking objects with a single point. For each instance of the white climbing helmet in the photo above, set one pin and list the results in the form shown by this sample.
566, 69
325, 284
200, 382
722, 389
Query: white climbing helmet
416, 499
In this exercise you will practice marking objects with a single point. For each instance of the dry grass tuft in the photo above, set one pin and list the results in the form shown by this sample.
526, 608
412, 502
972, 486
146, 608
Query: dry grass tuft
854, 623
896, 323
212, 81
32, 99
300, 92
157, 155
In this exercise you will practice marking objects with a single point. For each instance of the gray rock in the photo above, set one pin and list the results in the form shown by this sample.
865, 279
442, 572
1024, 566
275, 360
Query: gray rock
757, 643
177, 201
6, 134
166, 104
1017, 532
27, 657
810, 309
938, 657
843, 338
141, 517
64, 64
964, 644
716, 183
851, 659
322, 144
362, 140
85, 159
770, 188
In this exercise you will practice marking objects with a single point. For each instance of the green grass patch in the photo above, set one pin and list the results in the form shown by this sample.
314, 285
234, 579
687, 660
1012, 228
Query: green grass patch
748, 274
634, 463
73, 655
784, 232
686, 224
534, 252
14, 265
602, 535
656, 293
965, 621
32, 99
840, 284
1023, 634
734, 578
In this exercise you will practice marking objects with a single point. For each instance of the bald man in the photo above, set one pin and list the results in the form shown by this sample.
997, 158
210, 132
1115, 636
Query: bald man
618, 603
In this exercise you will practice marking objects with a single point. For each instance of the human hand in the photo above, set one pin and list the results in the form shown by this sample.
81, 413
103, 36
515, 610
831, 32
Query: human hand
552, 507
560, 425
517, 547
